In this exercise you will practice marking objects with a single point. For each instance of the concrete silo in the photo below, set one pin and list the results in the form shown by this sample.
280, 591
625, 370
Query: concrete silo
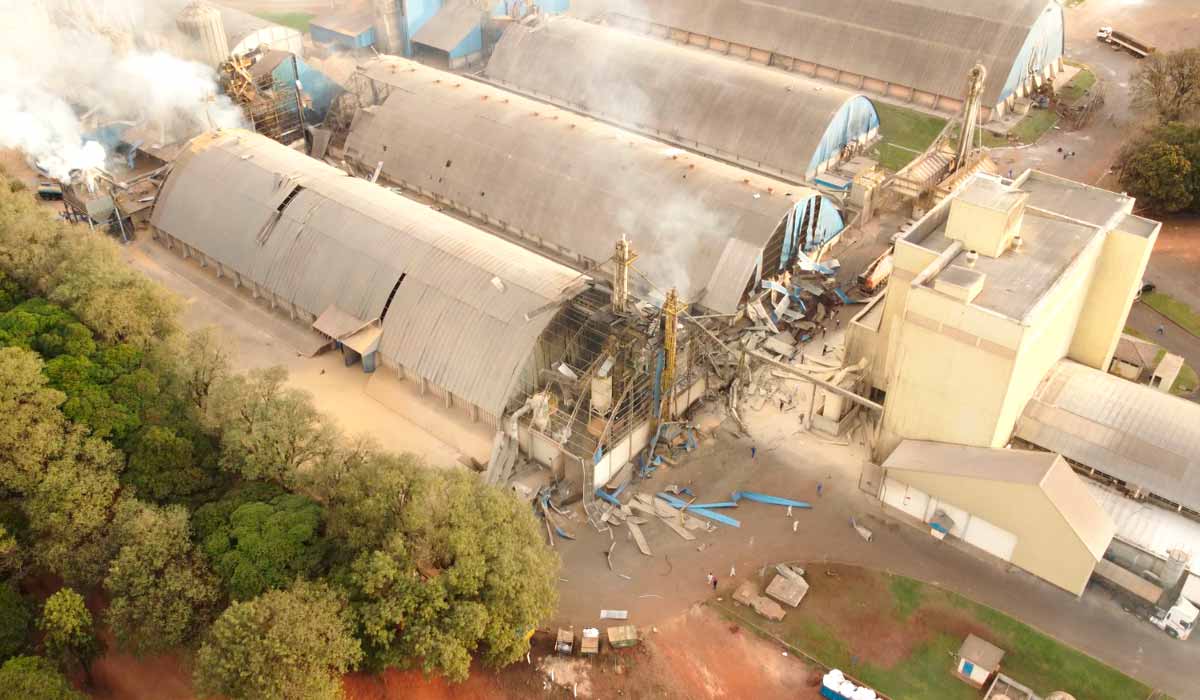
202, 23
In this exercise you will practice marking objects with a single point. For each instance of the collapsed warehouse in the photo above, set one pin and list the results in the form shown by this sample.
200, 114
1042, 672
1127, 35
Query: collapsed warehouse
568, 186
771, 121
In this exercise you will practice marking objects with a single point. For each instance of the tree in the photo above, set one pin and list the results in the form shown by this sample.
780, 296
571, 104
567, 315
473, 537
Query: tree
268, 431
1157, 173
66, 624
267, 545
292, 644
15, 620
35, 678
163, 468
162, 591
443, 565
70, 510
204, 363
1168, 83
33, 425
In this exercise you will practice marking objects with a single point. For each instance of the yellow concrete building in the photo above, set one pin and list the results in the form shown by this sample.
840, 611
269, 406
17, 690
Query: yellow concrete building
1025, 507
990, 290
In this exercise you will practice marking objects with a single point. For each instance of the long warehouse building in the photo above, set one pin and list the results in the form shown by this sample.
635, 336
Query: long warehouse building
571, 186
448, 305
915, 50
772, 121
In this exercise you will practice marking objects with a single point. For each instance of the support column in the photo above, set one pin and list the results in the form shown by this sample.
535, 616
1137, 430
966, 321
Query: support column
448, 399
424, 386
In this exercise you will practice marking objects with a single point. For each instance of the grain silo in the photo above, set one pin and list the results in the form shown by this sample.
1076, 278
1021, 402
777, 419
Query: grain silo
202, 22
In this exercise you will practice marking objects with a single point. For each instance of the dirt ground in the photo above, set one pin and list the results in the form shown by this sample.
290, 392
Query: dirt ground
696, 654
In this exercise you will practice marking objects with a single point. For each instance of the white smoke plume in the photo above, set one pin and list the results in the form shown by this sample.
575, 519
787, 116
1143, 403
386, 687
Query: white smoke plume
68, 66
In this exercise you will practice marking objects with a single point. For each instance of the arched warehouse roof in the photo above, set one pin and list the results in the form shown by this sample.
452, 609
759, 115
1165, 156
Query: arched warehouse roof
772, 121
573, 185
466, 309
929, 45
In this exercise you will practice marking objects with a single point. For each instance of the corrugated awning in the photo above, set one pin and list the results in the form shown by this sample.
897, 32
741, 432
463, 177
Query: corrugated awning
449, 27
364, 341
338, 324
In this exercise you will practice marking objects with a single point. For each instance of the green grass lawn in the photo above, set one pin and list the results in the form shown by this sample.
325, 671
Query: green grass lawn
900, 636
296, 20
1078, 87
1187, 380
906, 134
1174, 309
1036, 123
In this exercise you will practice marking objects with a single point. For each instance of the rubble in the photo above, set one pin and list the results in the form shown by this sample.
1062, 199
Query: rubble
748, 595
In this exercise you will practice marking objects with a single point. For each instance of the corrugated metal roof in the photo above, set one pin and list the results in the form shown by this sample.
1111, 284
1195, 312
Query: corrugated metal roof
1049, 472
576, 183
446, 29
926, 44
763, 118
346, 242
338, 324
350, 22
1146, 438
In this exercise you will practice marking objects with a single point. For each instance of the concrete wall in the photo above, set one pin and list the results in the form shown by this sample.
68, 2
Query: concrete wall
1118, 277
1047, 546
951, 372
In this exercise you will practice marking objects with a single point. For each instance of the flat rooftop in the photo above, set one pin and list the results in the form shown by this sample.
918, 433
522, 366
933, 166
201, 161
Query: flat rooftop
1061, 218
1017, 279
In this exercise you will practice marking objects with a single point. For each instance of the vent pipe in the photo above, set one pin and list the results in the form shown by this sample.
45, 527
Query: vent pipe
972, 258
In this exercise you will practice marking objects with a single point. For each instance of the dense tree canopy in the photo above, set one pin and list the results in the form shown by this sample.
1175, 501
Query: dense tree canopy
267, 545
66, 625
35, 678
268, 431
1162, 168
292, 644
15, 620
443, 565
163, 592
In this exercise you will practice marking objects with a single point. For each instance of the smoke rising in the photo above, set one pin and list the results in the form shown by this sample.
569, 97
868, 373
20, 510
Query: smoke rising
68, 67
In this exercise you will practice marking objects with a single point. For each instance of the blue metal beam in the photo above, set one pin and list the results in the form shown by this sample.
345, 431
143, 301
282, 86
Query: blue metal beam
715, 517
718, 504
611, 499
773, 500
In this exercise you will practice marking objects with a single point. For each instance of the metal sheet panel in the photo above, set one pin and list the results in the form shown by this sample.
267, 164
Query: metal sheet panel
765, 119
1146, 438
458, 317
926, 44
446, 29
570, 182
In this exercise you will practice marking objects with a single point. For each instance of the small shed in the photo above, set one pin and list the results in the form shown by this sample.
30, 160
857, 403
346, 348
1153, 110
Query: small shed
978, 660
622, 636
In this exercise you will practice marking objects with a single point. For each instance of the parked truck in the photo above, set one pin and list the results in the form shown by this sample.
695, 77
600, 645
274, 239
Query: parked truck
1179, 620
1124, 41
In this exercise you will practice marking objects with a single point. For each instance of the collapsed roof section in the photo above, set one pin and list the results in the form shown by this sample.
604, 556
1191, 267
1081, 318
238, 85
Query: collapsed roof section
458, 307
572, 186
772, 121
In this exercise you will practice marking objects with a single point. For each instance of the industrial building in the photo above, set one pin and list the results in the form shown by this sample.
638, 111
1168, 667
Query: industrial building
990, 290
571, 373
1002, 316
774, 122
912, 50
569, 186
1021, 506
446, 305
347, 29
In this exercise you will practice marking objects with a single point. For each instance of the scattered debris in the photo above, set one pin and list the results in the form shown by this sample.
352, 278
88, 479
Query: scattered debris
747, 594
639, 539
788, 590
614, 614
772, 500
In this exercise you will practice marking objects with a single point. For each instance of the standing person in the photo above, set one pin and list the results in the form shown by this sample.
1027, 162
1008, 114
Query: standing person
1160, 330
714, 583
709, 579
820, 487
753, 451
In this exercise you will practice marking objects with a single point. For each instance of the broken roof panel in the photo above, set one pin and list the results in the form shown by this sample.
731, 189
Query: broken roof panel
315, 237
773, 121
571, 183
